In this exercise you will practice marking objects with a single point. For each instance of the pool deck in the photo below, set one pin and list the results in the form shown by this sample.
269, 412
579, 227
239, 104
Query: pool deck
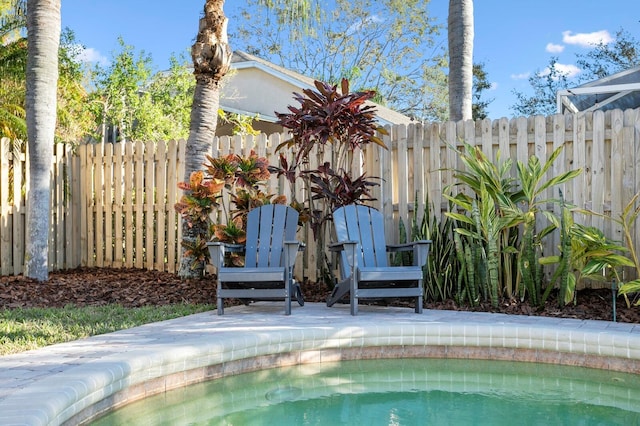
70, 382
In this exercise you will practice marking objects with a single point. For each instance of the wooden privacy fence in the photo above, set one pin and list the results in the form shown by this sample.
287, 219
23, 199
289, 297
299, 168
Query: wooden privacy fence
112, 205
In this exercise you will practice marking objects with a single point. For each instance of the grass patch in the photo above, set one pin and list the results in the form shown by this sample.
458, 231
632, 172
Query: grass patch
32, 328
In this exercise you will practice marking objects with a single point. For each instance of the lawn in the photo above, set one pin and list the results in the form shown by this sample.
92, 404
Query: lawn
24, 329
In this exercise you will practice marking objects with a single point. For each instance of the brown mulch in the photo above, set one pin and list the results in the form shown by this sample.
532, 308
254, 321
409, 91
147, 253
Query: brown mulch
140, 287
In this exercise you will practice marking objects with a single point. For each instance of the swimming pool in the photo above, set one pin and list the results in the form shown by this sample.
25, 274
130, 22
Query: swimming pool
399, 392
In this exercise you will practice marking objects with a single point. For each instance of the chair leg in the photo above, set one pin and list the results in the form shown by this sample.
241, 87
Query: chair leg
287, 302
353, 296
297, 291
220, 300
339, 290
419, 299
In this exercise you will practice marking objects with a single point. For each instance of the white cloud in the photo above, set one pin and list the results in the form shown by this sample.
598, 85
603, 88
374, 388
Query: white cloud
587, 39
522, 76
494, 86
92, 55
567, 69
554, 48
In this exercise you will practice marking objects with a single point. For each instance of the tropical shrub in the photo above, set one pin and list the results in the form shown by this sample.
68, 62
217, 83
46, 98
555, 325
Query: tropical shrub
626, 221
585, 253
244, 180
498, 223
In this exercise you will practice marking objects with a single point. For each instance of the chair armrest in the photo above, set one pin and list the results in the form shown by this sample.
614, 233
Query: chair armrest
216, 253
217, 250
234, 248
291, 249
341, 245
420, 250
349, 248
392, 248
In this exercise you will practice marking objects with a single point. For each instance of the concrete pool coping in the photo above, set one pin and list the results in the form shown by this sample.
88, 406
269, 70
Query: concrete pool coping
71, 382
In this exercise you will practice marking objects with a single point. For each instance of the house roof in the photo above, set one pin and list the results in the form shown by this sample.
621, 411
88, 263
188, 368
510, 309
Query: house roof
244, 61
617, 91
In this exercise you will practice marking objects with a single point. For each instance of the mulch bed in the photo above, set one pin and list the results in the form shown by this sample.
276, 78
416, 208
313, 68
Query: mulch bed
140, 287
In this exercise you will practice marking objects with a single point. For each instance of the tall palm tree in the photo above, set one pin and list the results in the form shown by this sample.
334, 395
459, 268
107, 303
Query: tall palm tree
460, 32
211, 56
43, 31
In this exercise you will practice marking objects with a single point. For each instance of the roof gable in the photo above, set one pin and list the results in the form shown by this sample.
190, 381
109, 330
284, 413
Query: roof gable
261, 87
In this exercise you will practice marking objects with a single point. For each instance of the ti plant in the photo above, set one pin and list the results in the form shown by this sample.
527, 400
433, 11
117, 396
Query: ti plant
329, 122
502, 217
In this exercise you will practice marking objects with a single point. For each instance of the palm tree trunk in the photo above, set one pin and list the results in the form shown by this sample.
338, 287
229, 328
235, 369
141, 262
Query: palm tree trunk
211, 60
460, 32
43, 32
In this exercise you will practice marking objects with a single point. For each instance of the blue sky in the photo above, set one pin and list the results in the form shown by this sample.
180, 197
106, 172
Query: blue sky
513, 39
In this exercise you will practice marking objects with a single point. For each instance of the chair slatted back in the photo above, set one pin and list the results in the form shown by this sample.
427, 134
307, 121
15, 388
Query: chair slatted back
365, 225
268, 227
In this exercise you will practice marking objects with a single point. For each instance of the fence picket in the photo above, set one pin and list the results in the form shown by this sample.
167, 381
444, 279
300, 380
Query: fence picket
138, 171
108, 197
129, 195
5, 209
149, 234
118, 204
172, 199
598, 170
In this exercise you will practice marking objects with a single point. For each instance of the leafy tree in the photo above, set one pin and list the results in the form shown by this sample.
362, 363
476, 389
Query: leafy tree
388, 46
480, 84
545, 86
602, 61
119, 96
43, 26
75, 118
168, 104
606, 59
139, 104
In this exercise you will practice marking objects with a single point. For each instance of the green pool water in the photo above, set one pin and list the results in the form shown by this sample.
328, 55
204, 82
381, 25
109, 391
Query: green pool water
398, 392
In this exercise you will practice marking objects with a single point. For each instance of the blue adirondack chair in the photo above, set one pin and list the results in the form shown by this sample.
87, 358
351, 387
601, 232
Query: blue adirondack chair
270, 254
364, 264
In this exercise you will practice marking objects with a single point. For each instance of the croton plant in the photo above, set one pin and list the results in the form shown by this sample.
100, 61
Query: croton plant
244, 179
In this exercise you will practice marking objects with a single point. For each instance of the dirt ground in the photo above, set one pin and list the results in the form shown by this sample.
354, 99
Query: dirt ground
140, 287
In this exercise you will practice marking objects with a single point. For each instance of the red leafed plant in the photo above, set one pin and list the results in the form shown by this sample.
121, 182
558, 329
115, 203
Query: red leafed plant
334, 122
